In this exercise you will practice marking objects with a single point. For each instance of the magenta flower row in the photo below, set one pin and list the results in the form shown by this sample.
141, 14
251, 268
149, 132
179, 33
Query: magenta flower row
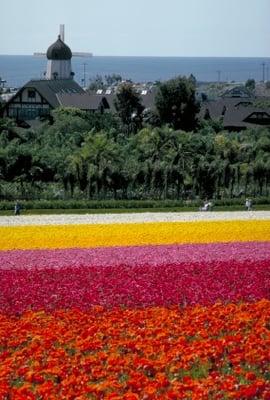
60, 281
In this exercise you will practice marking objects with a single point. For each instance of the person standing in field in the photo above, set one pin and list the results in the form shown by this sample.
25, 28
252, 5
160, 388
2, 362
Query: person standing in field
248, 204
17, 208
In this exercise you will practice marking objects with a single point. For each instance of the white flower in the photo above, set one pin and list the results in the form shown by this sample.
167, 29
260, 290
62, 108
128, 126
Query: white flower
74, 219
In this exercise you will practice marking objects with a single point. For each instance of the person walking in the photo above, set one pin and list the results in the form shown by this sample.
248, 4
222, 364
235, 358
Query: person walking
17, 208
248, 204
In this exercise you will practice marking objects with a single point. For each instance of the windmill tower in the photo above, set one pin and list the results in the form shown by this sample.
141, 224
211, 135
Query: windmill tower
59, 59
62, 32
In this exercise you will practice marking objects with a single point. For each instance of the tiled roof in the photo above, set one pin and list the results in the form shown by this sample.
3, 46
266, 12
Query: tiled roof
239, 117
235, 112
147, 100
217, 108
84, 101
50, 88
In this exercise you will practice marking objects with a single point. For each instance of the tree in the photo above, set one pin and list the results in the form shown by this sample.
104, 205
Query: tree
101, 155
8, 128
113, 79
176, 103
96, 83
250, 84
129, 108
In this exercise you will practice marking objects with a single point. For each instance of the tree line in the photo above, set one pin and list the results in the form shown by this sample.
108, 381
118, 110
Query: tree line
131, 155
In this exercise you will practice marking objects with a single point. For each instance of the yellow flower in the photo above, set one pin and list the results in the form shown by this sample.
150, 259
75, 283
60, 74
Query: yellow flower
83, 236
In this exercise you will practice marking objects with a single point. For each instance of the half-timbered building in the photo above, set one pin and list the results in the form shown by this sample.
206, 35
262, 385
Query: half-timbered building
37, 98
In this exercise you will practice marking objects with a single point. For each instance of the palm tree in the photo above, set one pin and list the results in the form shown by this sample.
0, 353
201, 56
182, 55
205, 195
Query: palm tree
101, 154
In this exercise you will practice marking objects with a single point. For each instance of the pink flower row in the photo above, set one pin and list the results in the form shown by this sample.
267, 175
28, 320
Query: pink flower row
134, 255
134, 285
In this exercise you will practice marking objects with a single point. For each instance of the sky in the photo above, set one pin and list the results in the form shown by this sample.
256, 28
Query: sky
199, 28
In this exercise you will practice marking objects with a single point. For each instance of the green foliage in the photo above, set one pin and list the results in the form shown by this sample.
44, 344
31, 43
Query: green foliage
107, 122
250, 84
96, 83
176, 103
262, 103
112, 79
8, 129
83, 157
90, 204
99, 83
82, 206
129, 108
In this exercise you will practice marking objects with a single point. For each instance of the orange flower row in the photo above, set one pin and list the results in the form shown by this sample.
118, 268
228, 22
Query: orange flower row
218, 352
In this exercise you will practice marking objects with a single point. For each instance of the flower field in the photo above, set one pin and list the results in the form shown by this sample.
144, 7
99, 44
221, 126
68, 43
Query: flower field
135, 307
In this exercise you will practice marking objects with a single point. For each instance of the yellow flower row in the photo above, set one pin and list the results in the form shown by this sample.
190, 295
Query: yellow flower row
83, 236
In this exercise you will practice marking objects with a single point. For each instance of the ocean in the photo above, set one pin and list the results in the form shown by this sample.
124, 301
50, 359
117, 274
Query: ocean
17, 70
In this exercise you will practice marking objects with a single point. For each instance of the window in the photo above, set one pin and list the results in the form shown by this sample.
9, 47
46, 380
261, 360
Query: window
31, 94
28, 112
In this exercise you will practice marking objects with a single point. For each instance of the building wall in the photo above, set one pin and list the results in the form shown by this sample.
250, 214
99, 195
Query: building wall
27, 105
59, 69
26, 98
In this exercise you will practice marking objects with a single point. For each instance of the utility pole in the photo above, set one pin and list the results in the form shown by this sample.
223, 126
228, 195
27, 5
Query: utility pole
263, 66
84, 74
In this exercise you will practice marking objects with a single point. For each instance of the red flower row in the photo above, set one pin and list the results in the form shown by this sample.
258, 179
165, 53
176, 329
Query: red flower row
135, 285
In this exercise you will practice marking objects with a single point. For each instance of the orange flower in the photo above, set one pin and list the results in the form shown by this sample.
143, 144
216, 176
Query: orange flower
125, 353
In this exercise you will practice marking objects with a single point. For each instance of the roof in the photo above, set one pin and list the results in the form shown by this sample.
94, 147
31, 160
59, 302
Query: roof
147, 99
236, 113
50, 88
238, 92
84, 101
110, 99
241, 117
59, 51
217, 108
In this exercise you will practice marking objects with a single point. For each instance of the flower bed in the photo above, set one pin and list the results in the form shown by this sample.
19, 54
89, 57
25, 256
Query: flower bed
160, 310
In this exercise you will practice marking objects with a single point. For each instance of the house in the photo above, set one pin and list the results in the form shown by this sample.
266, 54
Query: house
37, 98
216, 109
237, 109
241, 118
147, 97
237, 92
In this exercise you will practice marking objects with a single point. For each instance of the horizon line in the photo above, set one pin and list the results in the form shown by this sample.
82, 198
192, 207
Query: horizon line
149, 56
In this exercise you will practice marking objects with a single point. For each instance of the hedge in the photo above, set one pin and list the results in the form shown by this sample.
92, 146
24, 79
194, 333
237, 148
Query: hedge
123, 204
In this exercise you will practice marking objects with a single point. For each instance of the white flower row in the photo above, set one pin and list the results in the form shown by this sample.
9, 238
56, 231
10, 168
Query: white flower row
73, 219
